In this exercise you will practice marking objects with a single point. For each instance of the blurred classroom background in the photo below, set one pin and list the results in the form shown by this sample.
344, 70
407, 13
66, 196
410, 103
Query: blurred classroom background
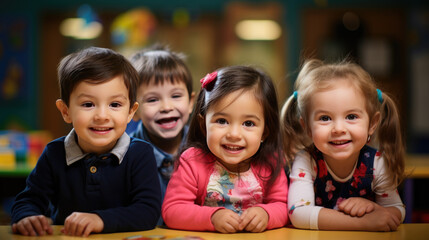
389, 38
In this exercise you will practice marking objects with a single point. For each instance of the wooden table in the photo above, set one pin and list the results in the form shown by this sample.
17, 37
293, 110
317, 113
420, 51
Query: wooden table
411, 231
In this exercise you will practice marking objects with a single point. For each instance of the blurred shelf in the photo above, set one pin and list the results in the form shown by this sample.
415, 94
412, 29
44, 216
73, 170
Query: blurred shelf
18, 171
417, 166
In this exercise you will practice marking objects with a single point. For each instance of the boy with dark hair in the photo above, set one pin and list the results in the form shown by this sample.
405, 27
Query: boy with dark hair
97, 178
166, 99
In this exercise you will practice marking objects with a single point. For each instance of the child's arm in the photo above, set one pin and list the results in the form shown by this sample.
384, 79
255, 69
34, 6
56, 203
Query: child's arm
181, 208
32, 203
381, 219
385, 195
304, 214
301, 201
275, 202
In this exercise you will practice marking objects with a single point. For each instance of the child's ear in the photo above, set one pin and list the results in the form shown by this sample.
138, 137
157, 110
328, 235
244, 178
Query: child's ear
132, 114
136, 116
64, 110
265, 134
375, 121
191, 102
304, 127
202, 123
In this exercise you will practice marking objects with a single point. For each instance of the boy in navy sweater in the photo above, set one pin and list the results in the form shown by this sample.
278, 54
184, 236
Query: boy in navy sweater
95, 179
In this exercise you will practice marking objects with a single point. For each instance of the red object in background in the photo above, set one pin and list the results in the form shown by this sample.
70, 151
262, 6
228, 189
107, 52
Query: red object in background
420, 216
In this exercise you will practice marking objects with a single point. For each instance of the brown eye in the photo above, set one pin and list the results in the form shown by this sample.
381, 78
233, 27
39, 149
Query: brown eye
87, 104
324, 118
249, 124
351, 117
221, 121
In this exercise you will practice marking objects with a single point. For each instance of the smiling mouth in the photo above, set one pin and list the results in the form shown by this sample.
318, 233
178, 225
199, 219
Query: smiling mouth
232, 148
167, 120
98, 129
340, 142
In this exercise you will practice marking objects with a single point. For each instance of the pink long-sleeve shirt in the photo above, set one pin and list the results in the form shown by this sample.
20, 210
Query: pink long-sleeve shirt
183, 206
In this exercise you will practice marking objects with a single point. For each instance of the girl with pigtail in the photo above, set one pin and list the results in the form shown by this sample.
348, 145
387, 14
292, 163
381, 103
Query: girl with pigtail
337, 181
230, 176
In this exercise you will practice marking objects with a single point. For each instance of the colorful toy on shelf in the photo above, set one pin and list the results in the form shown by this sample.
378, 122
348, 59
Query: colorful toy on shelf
21, 149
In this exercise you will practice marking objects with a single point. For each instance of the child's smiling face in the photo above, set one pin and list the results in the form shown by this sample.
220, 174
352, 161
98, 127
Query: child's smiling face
339, 123
99, 113
235, 127
164, 109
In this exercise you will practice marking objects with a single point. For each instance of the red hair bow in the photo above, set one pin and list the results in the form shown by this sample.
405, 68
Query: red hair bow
208, 79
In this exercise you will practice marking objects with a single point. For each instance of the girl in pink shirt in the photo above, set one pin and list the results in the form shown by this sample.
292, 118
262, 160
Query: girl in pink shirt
230, 178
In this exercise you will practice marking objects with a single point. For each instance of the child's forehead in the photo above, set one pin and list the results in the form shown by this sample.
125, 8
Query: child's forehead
228, 99
164, 82
86, 84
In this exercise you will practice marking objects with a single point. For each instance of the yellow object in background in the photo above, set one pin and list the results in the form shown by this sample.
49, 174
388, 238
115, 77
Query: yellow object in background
7, 158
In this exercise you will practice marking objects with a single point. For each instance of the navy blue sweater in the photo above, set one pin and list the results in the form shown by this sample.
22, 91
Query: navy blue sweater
126, 196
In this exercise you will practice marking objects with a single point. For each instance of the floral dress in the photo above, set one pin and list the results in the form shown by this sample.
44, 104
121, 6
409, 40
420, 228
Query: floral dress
234, 191
329, 193
313, 186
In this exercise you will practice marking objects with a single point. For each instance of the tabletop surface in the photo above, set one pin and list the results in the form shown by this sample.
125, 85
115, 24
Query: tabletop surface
411, 231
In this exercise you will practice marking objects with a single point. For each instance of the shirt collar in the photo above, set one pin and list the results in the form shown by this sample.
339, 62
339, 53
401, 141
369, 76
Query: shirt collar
74, 153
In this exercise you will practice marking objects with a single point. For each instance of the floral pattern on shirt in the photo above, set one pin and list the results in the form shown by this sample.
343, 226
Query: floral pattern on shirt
233, 191
330, 193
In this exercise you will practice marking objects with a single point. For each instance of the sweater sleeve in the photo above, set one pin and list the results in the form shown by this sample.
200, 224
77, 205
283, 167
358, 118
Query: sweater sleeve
35, 198
144, 209
179, 209
301, 201
275, 202
385, 194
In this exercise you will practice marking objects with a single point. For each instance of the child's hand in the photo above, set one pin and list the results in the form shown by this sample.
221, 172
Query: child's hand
356, 206
254, 219
82, 224
33, 225
380, 220
226, 221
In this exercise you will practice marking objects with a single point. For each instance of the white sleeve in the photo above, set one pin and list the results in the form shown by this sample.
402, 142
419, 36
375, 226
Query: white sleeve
301, 202
385, 194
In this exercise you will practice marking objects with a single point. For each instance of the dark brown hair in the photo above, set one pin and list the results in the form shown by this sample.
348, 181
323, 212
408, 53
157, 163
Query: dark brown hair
243, 78
95, 65
159, 64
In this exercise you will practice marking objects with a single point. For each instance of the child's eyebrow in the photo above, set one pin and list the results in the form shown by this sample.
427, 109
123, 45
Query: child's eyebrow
84, 95
120, 96
113, 96
245, 116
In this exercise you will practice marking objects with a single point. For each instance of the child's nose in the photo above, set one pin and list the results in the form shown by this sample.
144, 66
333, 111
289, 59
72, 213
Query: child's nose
234, 132
166, 106
338, 127
101, 113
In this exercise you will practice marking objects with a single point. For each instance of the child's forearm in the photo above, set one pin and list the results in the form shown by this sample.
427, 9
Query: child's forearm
395, 212
330, 219
381, 219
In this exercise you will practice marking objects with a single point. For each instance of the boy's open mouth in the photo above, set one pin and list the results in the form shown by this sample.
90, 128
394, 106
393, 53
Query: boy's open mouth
167, 122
